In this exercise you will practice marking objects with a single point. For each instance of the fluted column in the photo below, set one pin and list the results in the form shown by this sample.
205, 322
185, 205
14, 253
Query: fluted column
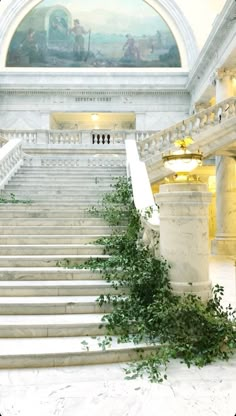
184, 236
225, 240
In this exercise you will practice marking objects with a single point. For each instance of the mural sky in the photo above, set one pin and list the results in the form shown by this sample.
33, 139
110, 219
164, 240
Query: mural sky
93, 33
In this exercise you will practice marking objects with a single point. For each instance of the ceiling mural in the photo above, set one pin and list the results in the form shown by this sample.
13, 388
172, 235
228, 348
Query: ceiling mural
93, 33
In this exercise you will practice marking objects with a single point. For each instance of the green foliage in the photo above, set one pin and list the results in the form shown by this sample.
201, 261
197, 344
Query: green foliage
177, 327
13, 200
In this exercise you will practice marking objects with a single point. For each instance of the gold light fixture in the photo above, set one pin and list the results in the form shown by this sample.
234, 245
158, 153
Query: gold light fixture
182, 161
95, 117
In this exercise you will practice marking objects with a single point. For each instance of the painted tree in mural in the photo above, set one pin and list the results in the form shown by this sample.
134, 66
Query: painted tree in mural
70, 33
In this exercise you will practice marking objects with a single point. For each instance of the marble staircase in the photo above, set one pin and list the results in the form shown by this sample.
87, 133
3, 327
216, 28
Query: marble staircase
48, 314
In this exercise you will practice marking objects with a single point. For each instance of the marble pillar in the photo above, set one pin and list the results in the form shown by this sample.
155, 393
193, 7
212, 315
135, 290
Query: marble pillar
224, 88
184, 236
225, 240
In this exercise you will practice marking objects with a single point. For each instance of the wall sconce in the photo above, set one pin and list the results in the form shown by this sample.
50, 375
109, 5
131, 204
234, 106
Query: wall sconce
182, 161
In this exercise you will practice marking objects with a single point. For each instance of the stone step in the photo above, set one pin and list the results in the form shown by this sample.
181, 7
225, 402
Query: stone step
55, 288
28, 211
45, 305
52, 221
17, 180
47, 273
55, 204
49, 239
65, 351
60, 195
58, 199
46, 260
36, 188
34, 326
52, 230
50, 249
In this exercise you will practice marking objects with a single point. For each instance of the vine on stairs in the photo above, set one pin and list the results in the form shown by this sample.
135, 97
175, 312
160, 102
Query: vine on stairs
145, 310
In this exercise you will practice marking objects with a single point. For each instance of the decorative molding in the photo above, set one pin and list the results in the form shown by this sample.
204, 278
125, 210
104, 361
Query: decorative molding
221, 36
88, 93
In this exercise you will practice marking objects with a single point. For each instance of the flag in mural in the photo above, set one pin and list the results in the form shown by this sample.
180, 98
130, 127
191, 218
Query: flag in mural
93, 33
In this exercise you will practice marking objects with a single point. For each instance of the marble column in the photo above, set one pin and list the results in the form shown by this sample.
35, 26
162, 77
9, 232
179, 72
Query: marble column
224, 87
184, 236
225, 240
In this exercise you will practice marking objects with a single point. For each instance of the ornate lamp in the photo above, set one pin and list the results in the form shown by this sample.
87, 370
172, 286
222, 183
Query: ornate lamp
182, 161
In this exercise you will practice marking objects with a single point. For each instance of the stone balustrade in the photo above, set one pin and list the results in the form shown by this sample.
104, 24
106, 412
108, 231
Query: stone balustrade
31, 138
11, 158
193, 126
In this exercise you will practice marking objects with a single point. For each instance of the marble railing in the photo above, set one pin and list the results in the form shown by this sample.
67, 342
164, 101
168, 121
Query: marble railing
11, 158
143, 197
33, 138
193, 126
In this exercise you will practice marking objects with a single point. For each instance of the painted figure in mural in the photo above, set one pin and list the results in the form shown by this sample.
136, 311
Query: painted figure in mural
79, 32
29, 46
58, 27
156, 41
131, 51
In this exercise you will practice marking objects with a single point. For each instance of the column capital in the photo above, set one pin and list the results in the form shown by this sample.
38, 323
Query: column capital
222, 73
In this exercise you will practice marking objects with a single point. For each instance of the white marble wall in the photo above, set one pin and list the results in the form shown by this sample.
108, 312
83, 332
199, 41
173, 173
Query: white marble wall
184, 235
154, 111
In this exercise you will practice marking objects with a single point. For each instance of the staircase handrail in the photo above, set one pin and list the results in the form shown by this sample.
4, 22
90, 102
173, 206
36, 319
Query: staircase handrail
11, 158
142, 194
195, 124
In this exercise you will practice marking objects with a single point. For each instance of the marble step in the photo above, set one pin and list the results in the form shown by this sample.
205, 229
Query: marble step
46, 260
66, 222
47, 273
65, 351
54, 204
28, 211
16, 180
93, 200
50, 249
52, 230
55, 288
49, 239
61, 195
33, 326
45, 305
68, 188
19, 212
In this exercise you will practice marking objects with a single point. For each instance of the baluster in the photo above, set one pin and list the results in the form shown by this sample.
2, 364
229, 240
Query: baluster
98, 138
103, 139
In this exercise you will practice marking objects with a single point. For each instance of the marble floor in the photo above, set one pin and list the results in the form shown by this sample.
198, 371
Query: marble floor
102, 390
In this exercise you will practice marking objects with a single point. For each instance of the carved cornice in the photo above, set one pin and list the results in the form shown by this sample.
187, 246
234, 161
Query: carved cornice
211, 52
88, 93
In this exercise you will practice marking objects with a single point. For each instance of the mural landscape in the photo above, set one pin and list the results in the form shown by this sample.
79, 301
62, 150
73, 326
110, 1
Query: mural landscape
93, 33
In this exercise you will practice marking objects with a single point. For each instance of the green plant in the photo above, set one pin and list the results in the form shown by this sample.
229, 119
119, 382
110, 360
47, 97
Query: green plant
178, 327
13, 200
